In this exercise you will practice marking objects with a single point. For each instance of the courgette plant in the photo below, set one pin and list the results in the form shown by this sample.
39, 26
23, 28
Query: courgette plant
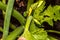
35, 15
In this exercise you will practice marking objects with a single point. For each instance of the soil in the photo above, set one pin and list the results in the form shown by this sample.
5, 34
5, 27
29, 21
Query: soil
20, 5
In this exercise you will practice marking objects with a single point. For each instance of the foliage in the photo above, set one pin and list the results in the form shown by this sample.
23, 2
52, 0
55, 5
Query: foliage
36, 14
46, 15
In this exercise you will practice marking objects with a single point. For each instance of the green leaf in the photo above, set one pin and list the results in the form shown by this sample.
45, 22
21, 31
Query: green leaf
33, 27
49, 21
50, 14
38, 33
28, 36
57, 15
49, 11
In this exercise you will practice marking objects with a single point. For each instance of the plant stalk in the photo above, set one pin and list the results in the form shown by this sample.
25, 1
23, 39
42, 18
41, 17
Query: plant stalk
7, 18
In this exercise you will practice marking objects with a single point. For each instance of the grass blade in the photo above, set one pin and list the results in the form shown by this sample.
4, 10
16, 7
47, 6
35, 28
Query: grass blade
7, 18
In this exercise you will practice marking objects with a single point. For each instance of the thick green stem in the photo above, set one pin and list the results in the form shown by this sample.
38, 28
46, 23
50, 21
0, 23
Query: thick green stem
15, 13
7, 18
28, 22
